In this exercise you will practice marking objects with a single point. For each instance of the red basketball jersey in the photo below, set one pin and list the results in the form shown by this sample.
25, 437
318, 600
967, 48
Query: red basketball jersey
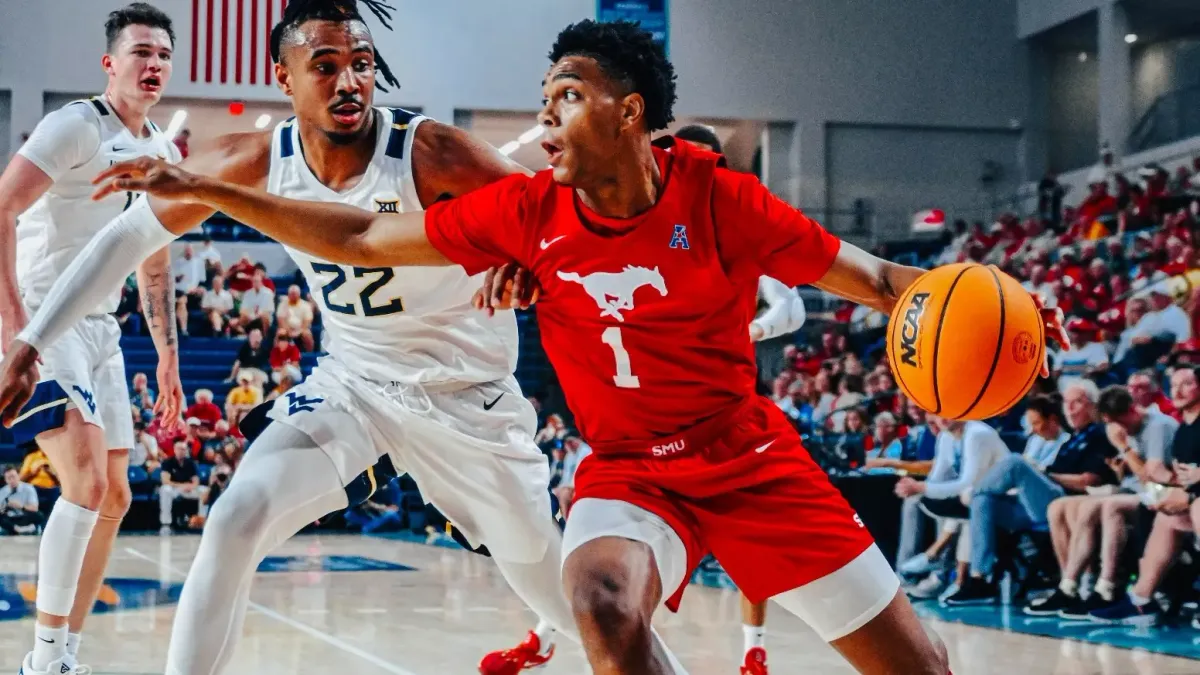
645, 320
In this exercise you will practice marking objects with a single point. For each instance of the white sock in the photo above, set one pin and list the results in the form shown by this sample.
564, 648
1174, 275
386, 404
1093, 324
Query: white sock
73, 643
49, 645
1105, 588
60, 556
755, 636
545, 635
1137, 600
1069, 587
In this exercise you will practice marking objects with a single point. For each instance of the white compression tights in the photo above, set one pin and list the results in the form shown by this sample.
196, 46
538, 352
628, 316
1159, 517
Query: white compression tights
284, 483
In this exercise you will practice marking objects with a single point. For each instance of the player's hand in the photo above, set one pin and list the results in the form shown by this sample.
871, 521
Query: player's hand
169, 405
18, 378
1053, 320
756, 332
150, 175
507, 287
1172, 502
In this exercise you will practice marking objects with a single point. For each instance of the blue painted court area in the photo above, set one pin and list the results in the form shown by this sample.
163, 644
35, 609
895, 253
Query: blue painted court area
329, 563
17, 595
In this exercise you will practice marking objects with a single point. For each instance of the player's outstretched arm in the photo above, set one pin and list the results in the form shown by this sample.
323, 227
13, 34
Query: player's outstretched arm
157, 285
336, 232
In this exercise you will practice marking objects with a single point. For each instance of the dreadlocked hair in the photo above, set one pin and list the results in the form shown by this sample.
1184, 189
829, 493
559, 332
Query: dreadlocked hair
299, 12
628, 54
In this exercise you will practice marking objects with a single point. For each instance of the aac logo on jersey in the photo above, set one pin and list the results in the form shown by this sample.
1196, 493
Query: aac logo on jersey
613, 291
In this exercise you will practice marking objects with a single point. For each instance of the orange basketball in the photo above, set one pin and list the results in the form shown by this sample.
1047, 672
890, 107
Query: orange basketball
966, 341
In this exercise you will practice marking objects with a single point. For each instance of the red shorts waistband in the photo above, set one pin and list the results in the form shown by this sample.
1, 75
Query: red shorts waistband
686, 442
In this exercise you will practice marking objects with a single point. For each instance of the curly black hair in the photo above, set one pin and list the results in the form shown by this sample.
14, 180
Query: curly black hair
137, 14
700, 133
628, 54
299, 12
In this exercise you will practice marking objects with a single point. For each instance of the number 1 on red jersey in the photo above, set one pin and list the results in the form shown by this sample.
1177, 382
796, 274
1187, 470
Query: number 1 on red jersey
624, 377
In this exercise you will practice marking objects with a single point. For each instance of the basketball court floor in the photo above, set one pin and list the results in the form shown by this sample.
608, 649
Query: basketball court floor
354, 604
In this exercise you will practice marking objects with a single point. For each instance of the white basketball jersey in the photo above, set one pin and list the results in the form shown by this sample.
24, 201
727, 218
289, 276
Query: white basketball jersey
413, 325
52, 232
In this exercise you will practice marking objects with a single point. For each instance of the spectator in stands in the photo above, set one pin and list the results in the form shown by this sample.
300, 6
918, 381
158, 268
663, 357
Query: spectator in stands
144, 452
253, 359
36, 471
576, 450
850, 394
129, 308
190, 276
1050, 199
286, 378
193, 432
797, 405
1143, 386
242, 398
217, 304
204, 409
294, 318
213, 444
18, 505
218, 480
552, 434
1178, 512
1092, 215
1085, 359
240, 276
1038, 285
284, 354
1169, 320
258, 306
211, 257
1138, 332
141, 397
180, 479
966, 451
1142, 439
1014, 495
267, 281
886, 443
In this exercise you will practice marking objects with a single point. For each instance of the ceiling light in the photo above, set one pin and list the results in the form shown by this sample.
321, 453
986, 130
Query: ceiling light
262, 121
509, 148
1131, 38
1083, 57
531, 135
176, 124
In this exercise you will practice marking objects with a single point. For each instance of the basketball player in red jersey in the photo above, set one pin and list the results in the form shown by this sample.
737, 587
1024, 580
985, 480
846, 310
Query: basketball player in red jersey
648, 275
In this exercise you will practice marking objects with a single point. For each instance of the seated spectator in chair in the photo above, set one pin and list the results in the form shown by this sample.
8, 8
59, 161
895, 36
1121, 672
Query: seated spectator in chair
257, 309
1171, 322
285, 353
1143, 386
887, 444
217, 304
381, 511
240, 276
1086, 358
294, 318
144, 452
966, 452
1143, 442
218, 481
1014, 495
796, 403
242, 398
36, 471
1177, 511
254, 358
195, 434
576, 450
213, 443
18, 505
142, 397
850, 394
211, 257
204, 409
285, 379
855, 436
180, 479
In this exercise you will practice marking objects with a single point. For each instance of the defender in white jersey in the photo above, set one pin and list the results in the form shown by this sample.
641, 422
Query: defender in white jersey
79, 414
416, 380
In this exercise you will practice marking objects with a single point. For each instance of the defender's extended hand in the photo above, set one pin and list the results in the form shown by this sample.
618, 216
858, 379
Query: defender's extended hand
18, 379
149, 175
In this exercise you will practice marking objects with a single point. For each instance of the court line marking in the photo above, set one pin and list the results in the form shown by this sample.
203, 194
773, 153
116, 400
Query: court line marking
288, 621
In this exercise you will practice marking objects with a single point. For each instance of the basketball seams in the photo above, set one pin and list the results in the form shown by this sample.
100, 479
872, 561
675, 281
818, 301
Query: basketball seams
999, 346
937, 339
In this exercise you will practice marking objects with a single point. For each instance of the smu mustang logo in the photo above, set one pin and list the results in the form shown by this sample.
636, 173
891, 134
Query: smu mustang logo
613, 291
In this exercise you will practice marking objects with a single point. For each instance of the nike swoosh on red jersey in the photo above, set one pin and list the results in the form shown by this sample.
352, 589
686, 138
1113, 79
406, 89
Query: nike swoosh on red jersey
546, 244
763, 448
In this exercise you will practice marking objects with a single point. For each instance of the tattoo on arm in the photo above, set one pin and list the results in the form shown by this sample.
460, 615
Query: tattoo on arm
158, 299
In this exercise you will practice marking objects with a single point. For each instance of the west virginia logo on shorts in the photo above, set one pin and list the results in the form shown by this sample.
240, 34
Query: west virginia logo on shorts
301, 403
87, 397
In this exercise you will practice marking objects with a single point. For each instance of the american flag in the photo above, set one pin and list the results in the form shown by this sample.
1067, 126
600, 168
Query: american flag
231, 40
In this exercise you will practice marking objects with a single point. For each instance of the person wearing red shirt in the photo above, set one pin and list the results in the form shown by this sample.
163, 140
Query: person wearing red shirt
240, 276
284, 353
648, 274
204, 409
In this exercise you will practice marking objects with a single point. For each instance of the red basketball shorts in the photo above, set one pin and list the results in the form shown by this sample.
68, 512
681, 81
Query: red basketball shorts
748, 492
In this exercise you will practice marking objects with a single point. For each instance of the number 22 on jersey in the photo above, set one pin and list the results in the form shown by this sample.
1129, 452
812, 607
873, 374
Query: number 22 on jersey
367, 304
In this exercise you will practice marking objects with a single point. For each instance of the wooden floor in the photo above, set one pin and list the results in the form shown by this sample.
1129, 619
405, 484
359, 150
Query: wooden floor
438, 619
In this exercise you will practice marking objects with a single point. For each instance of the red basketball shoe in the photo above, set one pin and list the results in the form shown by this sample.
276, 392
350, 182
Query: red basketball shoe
756, 662
524, 656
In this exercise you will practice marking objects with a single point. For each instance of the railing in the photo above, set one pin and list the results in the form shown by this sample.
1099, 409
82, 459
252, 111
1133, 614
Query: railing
1172, 117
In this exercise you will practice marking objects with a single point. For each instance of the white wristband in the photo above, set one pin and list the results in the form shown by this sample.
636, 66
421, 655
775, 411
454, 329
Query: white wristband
97, 272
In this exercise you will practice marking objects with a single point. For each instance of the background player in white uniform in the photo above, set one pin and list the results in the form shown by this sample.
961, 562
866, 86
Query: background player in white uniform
417, 381
80, 412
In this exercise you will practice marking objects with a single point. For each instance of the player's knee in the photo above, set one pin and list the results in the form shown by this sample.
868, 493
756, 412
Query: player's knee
603, 603
241, 514
117, 499
85, 484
